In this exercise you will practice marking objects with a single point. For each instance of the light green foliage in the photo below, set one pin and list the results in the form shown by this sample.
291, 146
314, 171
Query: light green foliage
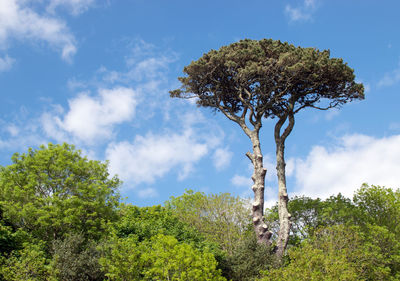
334, 253
146, 222
160, 258
379, 205
170, 260
53, 190
28, 264
122, 259
222, 218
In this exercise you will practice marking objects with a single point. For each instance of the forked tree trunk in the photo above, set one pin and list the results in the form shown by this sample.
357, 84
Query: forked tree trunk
260, 227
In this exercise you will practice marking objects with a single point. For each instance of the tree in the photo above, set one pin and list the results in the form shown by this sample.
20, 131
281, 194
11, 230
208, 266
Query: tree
51, 191
251, 80
341, 252
309, 214
162, 257
76, 259
380, 206
222, 218
28, 264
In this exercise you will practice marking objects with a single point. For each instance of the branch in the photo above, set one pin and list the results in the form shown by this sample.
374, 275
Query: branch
278, 126
289, 127
247, 105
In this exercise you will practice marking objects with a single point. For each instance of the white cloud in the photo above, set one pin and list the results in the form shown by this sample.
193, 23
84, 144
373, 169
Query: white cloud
6, 63
301, 13
390, 78
222, 158
343, 168
152, 156
29, 21
92, 118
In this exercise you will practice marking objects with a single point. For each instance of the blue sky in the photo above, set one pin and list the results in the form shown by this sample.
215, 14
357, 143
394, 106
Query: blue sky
97, 74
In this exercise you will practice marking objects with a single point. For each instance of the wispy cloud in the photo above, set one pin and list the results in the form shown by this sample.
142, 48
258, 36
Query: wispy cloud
390, 78
6, 63
303, 12
75, 7
222, 158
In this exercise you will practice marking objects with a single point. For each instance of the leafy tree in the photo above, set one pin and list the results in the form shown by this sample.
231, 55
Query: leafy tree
251, 80
76, 259
122, 259
54, 190
337, 253
222, 218
28, 264
248, 259
309, 214
380, 206
171, 260
160, 258
146, 222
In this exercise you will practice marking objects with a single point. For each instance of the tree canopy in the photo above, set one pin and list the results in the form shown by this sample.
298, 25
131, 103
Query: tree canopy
54, 190
268, 78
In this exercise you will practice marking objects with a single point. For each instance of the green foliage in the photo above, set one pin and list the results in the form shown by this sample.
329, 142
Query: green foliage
122, 259
248, 259
309, 214
76, 259
335, 253
222, 218
27, 264
379, 205
161, 258
53, 190
269, 78
170, 260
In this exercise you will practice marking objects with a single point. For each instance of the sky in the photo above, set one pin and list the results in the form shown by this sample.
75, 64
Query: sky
97, 74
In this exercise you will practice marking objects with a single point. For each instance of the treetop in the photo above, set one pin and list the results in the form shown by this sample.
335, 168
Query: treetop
268, 78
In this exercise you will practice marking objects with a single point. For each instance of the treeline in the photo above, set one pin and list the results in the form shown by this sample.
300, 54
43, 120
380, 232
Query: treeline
61, 219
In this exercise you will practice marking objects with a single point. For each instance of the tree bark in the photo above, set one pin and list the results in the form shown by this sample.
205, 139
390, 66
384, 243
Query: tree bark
284, 215
260, 227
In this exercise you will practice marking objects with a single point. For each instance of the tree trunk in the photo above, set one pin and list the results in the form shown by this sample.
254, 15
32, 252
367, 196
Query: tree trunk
284, 216
260, 227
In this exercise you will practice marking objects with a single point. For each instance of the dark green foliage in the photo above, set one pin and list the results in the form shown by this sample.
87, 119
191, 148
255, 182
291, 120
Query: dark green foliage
248, 259
269, 78
76, 259
309, 214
